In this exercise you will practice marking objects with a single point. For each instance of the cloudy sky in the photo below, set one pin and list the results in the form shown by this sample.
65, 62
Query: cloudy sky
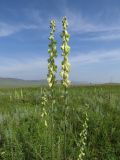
94, 26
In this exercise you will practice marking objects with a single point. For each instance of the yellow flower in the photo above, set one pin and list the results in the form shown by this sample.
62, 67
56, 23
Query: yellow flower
52, 68
66, 49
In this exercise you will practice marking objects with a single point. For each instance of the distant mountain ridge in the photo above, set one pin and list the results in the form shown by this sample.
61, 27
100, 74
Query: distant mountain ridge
14, 82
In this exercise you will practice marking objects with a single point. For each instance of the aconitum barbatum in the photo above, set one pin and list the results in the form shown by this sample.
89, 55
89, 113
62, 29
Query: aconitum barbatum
52, 67
65, 52
65, 76
83, 138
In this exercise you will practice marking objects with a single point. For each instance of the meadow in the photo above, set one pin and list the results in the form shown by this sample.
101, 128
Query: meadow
25, 123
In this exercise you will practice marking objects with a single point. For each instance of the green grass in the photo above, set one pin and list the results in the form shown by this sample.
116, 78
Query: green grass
24, 136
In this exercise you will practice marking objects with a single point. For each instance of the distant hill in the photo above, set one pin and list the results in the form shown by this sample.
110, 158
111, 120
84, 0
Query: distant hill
111, 84
13, 82
82, 83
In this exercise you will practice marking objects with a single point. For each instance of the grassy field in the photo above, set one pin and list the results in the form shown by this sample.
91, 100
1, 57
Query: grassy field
25, 123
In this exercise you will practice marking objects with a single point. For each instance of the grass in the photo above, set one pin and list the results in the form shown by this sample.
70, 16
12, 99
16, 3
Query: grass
24, 135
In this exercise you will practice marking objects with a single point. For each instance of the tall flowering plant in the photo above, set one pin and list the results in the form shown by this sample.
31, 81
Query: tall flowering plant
65, 52
51, 78
65, 75
52, 67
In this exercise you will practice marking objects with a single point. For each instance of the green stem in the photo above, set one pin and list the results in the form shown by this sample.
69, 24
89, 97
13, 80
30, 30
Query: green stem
65, 118
52, 121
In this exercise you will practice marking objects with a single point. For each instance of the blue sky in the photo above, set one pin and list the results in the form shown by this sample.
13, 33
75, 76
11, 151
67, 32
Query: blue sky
94, 26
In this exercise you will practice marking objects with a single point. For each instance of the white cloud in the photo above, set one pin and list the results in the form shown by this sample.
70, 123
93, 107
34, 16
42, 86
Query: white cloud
96, 56
36, 68
27, 68
33, 20
102, 36
36, 17
8, 29
79, 24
